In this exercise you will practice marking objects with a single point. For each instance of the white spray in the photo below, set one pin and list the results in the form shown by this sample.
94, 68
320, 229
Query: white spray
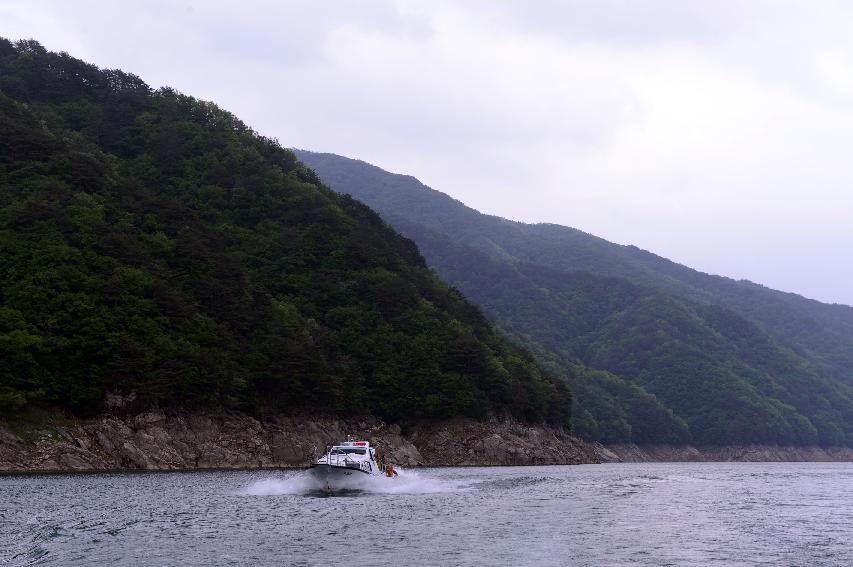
301, 483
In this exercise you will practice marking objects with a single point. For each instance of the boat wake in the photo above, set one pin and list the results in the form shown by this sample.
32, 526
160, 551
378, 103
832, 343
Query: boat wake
302, 483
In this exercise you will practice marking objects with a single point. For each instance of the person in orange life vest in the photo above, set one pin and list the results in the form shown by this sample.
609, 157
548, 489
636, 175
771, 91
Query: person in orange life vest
389, 470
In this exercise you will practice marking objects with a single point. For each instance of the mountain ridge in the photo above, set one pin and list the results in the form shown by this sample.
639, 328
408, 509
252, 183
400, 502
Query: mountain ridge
152, 243
749, 351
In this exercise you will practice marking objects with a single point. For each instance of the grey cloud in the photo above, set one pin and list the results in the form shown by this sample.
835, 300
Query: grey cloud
625, 21
714, 133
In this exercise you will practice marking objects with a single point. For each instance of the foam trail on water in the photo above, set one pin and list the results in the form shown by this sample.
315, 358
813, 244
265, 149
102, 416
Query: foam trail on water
409, 482
301, 482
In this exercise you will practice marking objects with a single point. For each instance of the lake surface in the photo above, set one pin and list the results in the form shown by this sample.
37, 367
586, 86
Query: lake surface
618, 514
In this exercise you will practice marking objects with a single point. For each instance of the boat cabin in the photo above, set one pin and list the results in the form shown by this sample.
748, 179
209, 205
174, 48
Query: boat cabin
351, 455
353, 448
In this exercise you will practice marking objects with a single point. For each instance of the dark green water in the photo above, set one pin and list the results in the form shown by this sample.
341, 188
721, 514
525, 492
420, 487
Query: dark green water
626, 514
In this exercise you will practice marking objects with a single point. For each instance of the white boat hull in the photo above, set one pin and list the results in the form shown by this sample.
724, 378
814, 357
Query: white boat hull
331, 478
352, 465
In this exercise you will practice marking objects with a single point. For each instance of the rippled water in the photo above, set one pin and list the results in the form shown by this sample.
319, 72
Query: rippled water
625, 514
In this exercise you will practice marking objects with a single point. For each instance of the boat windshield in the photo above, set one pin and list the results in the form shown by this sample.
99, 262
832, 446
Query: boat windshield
348, 451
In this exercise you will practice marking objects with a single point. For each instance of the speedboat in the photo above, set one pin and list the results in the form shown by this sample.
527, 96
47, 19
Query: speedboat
351, 465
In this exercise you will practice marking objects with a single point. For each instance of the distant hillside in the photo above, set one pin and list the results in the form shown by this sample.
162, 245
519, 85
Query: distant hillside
681, 354
151, 243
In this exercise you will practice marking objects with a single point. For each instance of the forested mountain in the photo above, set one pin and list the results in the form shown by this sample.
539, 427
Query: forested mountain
153, 243
654, 351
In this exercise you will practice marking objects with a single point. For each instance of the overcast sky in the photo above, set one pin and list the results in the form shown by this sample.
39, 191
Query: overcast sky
718, 134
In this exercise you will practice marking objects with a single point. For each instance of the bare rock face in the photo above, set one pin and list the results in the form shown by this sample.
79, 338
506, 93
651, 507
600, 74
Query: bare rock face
628, 452
466, 442
156, 440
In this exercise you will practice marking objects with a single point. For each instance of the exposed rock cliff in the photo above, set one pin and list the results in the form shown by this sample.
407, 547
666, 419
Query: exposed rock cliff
157, 440
498, 442
747, 453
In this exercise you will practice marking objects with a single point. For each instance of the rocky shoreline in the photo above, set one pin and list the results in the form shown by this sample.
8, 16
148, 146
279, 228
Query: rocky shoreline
177, 440
180, 440
631, 453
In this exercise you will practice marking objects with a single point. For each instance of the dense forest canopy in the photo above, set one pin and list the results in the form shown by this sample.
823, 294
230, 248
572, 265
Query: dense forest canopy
653, 351
153, 243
